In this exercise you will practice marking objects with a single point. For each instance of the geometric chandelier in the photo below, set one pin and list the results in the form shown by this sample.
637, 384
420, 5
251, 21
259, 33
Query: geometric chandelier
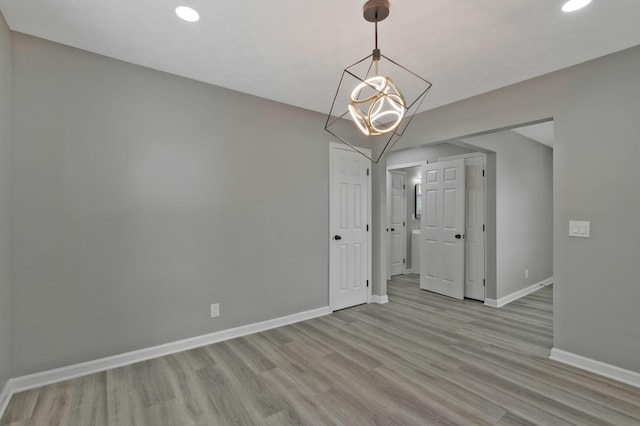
376, 98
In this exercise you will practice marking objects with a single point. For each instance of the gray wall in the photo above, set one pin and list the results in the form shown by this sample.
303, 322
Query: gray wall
595, 175
378, 217
129, 221
429, 153
141, 197
5, 194
490, 243
524, 209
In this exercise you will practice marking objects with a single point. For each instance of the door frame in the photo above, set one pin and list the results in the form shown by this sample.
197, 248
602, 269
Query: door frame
484, 183
404, 221
387, 239
333, 146
440, 233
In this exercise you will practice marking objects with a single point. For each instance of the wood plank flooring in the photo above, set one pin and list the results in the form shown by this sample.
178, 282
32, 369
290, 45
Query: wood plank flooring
420, 359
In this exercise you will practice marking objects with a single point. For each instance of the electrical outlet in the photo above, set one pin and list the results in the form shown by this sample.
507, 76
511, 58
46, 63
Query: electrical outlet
215, 310
579, 228
526, 273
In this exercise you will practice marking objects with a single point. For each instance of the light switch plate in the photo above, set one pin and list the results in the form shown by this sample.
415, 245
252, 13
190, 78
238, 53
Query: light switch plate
579, 228
215, 310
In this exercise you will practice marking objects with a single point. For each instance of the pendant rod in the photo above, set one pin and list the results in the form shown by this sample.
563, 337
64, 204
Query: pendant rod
376, 25
376, 57
375, 11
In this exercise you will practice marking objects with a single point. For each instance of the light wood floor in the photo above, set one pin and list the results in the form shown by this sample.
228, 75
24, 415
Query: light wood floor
420, 359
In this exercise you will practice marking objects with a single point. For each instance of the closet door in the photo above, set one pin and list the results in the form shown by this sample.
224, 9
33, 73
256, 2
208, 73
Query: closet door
443, 227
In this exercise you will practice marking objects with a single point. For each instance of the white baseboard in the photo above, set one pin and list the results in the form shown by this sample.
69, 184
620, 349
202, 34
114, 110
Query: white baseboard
607, 370
5, 396
492, 303
379, 299
43, 378
517, 294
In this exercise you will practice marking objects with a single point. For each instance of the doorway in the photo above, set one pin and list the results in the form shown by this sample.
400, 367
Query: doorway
402, 222
436, 273
442, 228
519, 191
349, 226
475, 226
398, 222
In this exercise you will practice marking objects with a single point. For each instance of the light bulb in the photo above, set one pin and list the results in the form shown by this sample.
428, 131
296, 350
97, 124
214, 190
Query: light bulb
573, 5
377, 106
188, 14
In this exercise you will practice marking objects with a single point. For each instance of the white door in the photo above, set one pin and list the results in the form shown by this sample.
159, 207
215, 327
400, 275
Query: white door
442, 223
398, 220
350, 251
474, 236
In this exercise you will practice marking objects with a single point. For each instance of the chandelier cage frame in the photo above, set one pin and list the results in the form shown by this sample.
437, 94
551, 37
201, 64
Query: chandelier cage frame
341, 123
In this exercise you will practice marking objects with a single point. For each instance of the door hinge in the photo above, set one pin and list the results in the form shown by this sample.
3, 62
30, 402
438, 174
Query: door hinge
368, 172
404, 223
404, 186
483, 227
367, 283
482, 172
403, 261
367, 227
484, 282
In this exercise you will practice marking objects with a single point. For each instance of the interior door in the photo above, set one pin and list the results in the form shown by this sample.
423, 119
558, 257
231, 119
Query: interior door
397, 226
474, 286
443, 224
349, 226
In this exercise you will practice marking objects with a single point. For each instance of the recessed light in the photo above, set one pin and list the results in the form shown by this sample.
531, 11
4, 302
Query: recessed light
573, 5
188, 14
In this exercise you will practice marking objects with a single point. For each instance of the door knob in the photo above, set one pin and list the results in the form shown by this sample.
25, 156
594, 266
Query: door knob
393, 229
337, 237
458, 236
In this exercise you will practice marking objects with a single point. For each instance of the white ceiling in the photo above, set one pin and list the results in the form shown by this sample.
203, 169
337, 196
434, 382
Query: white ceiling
294, 51
542, 132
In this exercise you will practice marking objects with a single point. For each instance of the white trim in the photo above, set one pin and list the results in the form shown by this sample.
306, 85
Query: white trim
517, 294
404, 226
369, 234
607, 370
380, 299
546, 282
492, 303
5, 397
387, 235
43, 378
